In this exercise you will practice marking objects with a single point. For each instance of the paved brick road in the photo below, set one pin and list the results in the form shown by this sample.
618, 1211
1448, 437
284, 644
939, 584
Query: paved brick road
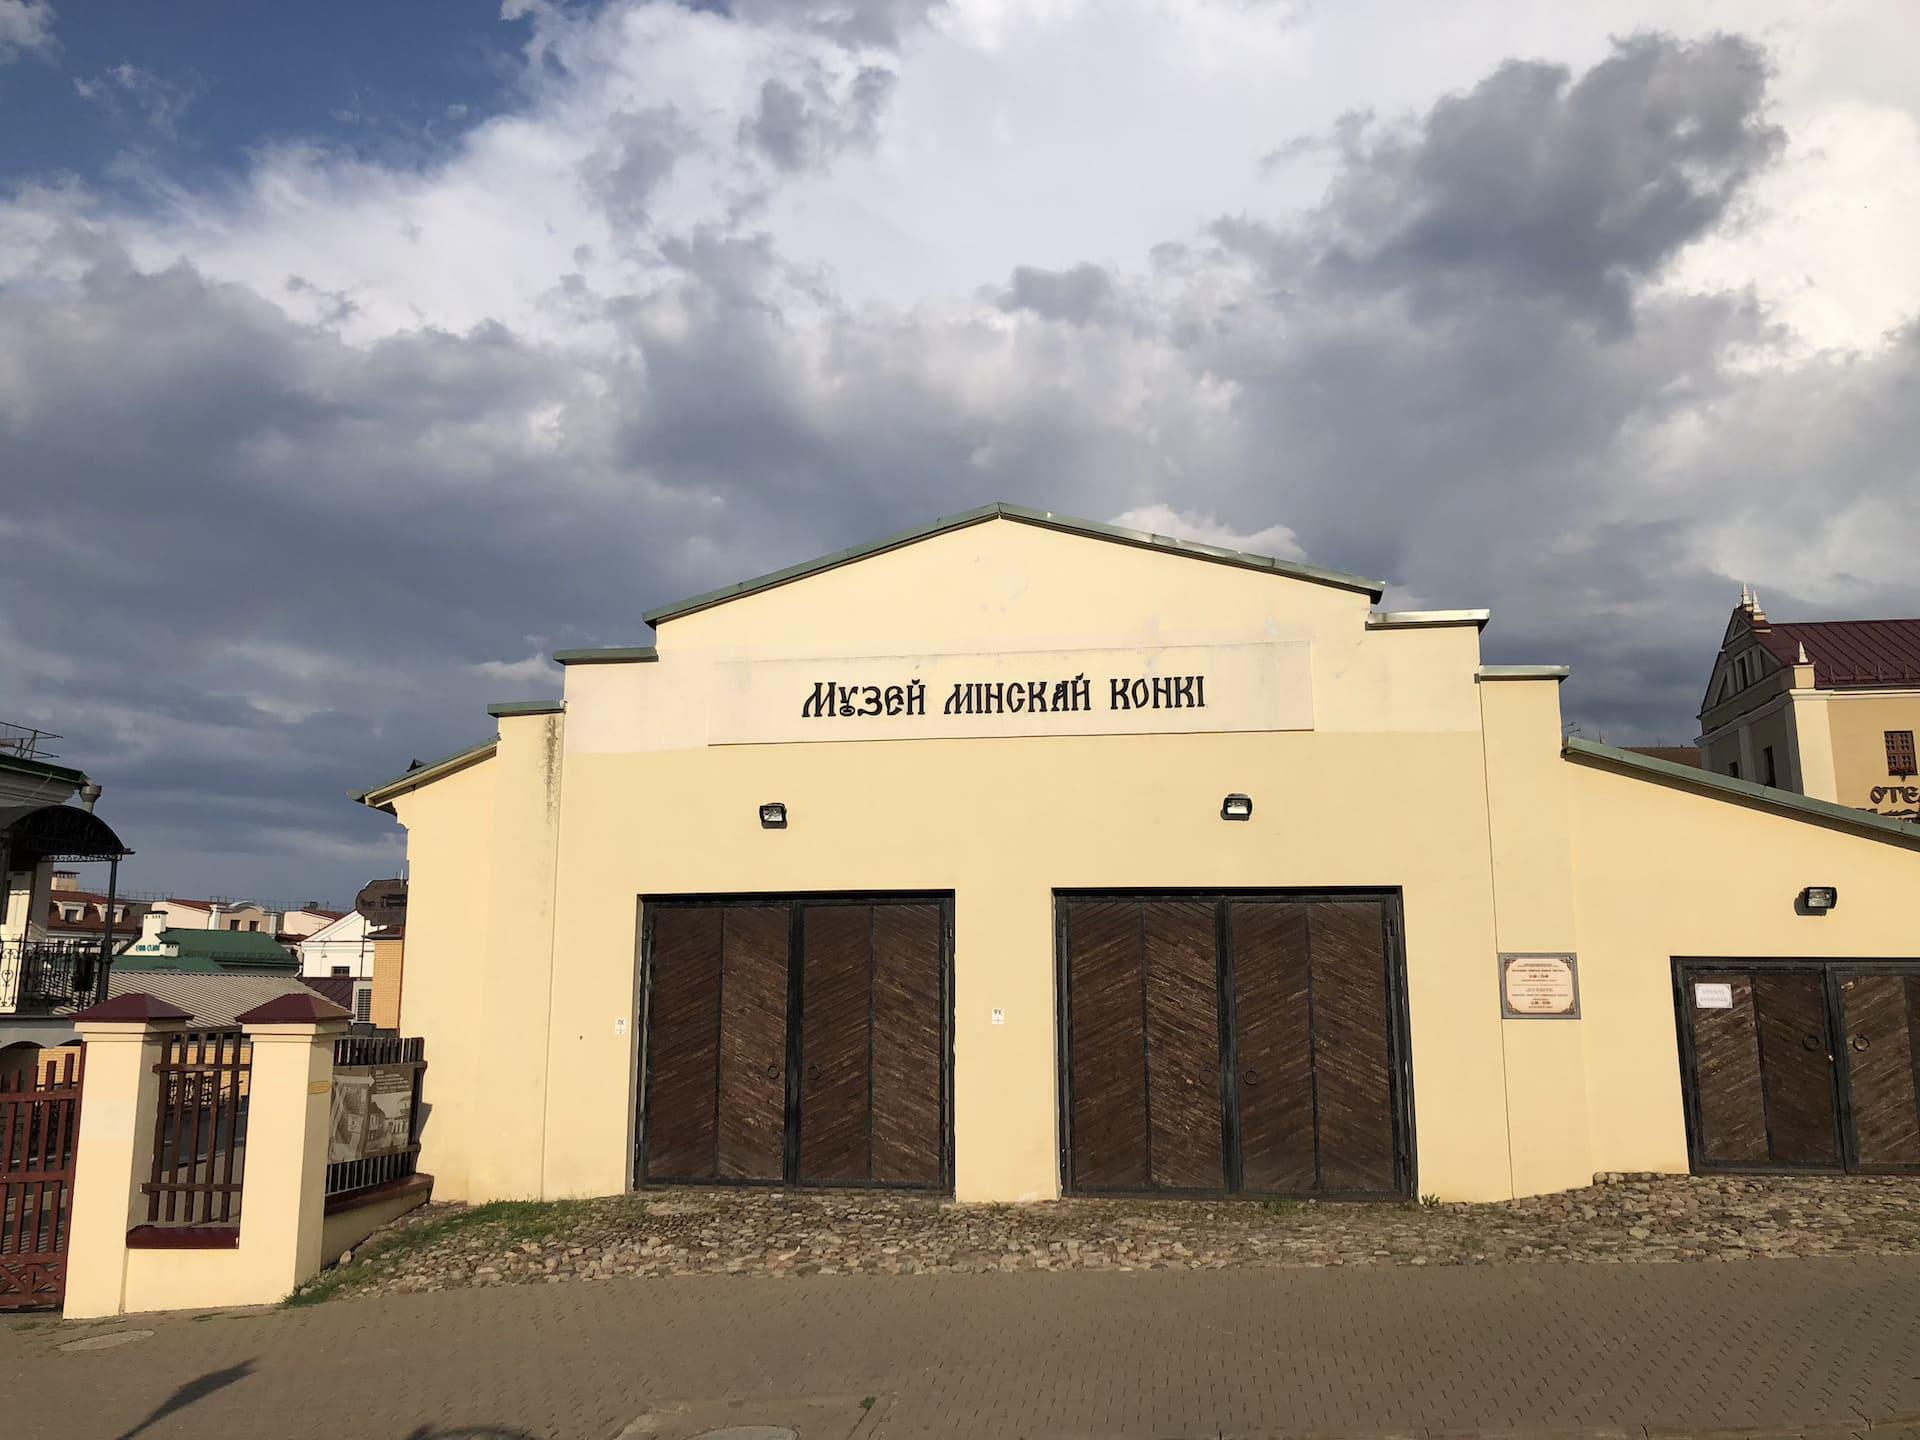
1816, 1346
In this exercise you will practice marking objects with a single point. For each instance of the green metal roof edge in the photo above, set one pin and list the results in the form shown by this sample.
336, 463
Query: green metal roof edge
1523, 672
41, 767
1047, 519
420, 775
613, 655
500, 708
1785, 801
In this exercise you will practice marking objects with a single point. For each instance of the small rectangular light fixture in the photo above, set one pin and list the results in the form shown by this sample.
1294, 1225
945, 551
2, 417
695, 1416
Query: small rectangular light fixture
1236, 807
773, 815
1820, 898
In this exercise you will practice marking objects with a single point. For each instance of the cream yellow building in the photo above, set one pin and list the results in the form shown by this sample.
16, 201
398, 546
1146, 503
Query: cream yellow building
1017, 855
1825, 708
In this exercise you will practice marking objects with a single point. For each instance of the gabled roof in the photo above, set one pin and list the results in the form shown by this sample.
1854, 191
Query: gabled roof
378, 795
1785, 802
1849, 654
1047, 519
331, 931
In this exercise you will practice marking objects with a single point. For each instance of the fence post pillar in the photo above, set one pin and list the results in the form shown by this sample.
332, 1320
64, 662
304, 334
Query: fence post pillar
284, 1207
113, 1157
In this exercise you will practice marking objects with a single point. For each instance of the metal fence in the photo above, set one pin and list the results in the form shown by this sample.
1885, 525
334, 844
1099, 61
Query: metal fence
42, 974
374, 1130
39, 1130
200, 1131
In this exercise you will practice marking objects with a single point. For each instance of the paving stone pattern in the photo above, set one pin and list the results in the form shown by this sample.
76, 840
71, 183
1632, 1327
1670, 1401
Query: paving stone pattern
1819, 1347
1630, 1218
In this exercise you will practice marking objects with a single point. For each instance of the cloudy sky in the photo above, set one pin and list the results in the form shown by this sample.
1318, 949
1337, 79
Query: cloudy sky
354, 357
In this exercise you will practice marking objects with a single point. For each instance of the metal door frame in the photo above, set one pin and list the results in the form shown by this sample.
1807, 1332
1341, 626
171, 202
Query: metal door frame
1829, 969
796, 901
1399, 1036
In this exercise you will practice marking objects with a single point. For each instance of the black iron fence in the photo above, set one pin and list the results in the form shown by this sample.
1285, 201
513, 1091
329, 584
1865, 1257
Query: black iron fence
45, 974
374, 1131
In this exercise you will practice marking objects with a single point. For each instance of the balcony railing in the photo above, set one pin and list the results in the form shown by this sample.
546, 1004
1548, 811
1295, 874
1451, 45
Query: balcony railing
42, 975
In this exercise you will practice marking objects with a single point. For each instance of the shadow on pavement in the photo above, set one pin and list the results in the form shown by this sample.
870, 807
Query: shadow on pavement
191, 1393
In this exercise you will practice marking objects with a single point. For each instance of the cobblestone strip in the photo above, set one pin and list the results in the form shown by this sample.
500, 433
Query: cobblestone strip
1624, 1219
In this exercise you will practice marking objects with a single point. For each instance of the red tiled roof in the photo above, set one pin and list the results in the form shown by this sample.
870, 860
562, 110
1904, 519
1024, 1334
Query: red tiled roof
337, 988
1849, 654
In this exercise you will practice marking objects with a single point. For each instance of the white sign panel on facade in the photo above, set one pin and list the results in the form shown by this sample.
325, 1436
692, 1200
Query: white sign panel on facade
1713, 995
1539, 987
1168, 689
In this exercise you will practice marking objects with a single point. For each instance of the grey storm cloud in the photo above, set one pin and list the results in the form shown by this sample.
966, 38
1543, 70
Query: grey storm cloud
801, 126
1079, 295
1537, 182
638, 154
263, 564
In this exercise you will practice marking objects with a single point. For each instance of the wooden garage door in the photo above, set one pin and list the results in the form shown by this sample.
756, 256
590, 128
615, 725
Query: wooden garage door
717, 1052
1314, 1023
1801, 1065
796, 1041
871, 1042
1294, 1094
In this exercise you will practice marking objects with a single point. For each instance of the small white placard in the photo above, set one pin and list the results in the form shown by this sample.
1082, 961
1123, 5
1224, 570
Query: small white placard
1712, 995
999, 1016
620, 1026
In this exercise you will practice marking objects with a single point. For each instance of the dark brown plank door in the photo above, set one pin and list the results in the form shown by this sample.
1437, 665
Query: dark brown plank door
1726, 1071
836, 1025
1796, 1064
909, 1044
1274, 1046
1183, 1046
683, 1044
1352, 1046
752, 1108
1106, 1047
1880, 1016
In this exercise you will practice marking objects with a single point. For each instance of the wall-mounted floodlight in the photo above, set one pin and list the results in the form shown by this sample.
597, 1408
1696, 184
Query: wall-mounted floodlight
773, 815
1236, 807
1819, 898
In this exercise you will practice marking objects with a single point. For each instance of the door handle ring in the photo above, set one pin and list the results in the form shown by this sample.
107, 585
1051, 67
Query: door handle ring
773, 1072
1812, 1042
1861, 1044
1252, 1077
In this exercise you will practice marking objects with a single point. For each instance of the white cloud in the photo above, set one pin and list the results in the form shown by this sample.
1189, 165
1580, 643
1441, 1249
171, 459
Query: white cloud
127, 89
26, 28
1273, 540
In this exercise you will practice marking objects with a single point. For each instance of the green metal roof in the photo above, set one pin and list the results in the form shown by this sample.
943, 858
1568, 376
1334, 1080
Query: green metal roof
614, 655
41, 768
525, 707
1786, 802
207, 951
1001, 510
420, 774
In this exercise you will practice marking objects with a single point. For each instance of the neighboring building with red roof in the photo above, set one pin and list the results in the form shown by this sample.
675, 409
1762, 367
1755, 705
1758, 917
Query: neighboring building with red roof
1826, 708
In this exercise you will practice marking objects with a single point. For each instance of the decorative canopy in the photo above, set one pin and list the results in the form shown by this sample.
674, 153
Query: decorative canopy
33, 834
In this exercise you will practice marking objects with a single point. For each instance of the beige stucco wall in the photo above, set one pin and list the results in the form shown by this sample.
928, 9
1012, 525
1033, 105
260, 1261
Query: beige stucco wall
449, 911
529, 867
1662, 871
1859, 723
